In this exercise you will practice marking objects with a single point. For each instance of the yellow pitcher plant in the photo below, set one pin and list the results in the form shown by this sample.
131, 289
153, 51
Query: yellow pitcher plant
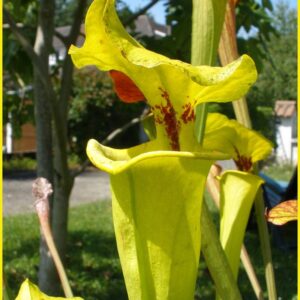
157, 187
29, 291
238, 188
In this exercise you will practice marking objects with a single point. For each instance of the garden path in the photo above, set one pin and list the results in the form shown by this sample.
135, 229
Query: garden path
90, 186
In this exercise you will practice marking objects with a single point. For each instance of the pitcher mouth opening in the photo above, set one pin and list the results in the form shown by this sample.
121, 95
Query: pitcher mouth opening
115, 161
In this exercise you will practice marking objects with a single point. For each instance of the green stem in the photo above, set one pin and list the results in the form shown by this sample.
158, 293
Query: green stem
265, 245
201, 115
215, 258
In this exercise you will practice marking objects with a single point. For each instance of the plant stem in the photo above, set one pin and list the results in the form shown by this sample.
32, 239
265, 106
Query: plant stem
200, 123
251, 273
265, 244
41, 191
215, 258
57, 261
228, 52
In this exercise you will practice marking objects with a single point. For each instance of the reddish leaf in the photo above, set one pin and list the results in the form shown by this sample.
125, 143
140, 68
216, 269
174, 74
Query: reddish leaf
284, 212
125, 88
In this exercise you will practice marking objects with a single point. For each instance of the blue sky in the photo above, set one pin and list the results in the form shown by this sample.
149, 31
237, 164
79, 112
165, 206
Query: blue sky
158, 10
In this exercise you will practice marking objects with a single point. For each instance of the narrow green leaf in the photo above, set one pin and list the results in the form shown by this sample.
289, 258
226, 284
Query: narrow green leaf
208, 18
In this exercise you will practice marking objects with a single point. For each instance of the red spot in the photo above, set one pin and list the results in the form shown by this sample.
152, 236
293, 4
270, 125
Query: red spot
188, 114
167, 117
242, 162
123, 53
125, 88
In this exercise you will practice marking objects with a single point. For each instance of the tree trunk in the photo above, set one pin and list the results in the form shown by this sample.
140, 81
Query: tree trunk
63, 183
62, 179
48, 279
47, 272
63, 186
51, 130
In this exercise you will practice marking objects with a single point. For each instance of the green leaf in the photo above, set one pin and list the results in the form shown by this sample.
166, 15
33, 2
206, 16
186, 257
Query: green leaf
268, 4
208, 18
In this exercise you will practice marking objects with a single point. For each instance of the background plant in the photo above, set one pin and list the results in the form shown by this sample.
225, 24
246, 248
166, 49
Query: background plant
95, 111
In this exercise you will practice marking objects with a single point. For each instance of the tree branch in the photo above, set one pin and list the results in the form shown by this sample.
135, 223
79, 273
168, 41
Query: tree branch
62, 37
67, 69
22, 39
108, 139
35, 59
140, 12
77, 20
120, 130
74, 32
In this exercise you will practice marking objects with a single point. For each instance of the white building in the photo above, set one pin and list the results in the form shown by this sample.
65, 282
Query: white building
286, 131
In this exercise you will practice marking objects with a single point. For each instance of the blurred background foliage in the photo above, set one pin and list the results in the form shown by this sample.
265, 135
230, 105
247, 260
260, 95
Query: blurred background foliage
96, 111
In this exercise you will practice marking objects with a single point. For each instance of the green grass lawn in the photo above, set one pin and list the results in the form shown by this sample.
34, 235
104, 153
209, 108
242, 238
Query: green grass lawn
93, 266
17, 163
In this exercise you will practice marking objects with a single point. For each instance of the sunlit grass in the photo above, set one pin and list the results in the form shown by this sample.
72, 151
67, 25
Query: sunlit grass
93, 265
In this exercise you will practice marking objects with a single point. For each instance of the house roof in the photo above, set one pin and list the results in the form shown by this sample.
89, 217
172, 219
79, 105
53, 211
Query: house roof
64, 31
285, 108
144, 26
